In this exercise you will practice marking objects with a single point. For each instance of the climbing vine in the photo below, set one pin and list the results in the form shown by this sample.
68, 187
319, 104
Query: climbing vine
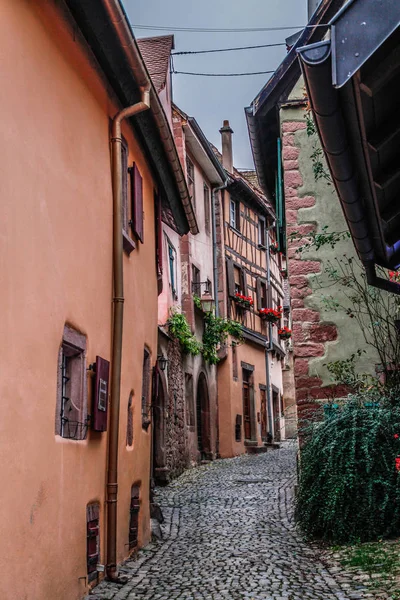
215, 335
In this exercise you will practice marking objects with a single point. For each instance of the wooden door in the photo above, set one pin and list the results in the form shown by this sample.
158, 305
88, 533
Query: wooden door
277, 416
246, 405
263, 394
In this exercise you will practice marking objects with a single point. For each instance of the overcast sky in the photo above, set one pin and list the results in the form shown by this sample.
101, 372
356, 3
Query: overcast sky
212, 99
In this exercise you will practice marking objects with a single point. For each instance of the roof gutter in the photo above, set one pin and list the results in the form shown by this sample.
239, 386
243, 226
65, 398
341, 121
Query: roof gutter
119, 20
316, 64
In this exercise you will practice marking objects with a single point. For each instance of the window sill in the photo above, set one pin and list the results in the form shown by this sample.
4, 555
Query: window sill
262, 247
234, 229
127, 243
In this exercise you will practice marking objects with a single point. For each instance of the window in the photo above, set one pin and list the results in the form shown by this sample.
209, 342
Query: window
196, 286
129, 422
172, 268
208, 289
189, 400
190, 179
137, 221
238, 277
71, 406
261, 231
128, 243
93, 539
264, 299
207, 209
146, 389
234, 214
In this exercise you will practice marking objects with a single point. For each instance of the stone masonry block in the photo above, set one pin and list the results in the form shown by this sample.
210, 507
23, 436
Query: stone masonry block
293, 126
309, 350
290, 165
304, 267
290, 153
300, 366
293, 179
323, 333
305, 314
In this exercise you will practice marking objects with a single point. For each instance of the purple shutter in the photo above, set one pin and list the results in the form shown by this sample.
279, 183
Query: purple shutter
159, 258
100, 400
137, 202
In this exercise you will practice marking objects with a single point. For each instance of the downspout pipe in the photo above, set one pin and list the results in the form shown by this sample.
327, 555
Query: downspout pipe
214, 192
269, 345
118, 315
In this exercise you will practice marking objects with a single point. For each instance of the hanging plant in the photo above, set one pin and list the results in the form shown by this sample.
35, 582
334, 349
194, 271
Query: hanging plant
273, 248
284, 273
178, 328
271, 315
216, 332
243, 301
285, 333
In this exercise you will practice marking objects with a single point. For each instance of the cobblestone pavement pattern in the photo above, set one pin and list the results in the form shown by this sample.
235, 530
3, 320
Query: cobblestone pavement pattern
229, 534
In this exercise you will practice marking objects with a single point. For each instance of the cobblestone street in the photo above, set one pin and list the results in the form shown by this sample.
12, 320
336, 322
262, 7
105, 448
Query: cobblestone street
229, 534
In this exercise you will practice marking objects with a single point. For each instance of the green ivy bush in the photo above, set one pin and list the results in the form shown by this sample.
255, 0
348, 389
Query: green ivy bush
349, 488
179, 328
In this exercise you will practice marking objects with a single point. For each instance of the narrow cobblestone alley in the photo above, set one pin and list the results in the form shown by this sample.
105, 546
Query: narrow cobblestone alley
229, 534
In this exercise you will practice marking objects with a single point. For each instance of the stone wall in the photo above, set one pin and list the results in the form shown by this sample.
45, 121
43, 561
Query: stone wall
176, 453
320, 335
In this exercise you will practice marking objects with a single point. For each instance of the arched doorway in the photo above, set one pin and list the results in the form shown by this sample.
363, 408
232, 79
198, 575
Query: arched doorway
160, 472
203, 418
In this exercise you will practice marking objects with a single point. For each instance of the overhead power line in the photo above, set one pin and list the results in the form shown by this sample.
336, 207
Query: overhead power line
221, 30
222, 74
227, 49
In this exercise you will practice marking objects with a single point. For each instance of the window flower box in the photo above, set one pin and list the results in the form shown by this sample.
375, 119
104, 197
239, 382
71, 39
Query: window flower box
273, 248
285, 333
243, 301
271, 315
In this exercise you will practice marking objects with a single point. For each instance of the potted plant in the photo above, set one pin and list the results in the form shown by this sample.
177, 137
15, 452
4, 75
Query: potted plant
285, 333
272, 315
273, 248
243, 301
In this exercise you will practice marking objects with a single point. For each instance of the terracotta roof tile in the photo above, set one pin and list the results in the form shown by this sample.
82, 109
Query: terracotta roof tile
156, 53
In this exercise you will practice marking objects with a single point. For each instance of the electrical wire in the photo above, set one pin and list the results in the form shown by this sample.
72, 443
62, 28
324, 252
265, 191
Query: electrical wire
222, 74
222, 30
227, 49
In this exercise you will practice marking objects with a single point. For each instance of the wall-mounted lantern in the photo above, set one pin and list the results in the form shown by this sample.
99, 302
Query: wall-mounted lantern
162, 362
207, 302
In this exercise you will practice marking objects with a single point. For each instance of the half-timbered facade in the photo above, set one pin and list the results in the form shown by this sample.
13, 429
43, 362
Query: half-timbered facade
250, 283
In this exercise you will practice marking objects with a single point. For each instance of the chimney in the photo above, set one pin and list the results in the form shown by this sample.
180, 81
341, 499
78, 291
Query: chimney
227, 154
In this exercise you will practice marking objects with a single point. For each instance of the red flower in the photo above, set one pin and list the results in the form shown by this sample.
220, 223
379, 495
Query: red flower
396, 436
397, 463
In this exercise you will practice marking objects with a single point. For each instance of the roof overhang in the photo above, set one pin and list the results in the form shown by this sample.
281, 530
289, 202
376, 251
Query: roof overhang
106, 28
352, 83
263, 114
201, 150
239, 188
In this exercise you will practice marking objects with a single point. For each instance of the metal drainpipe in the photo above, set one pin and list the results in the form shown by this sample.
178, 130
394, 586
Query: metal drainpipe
215, 278
118, 302
269, 346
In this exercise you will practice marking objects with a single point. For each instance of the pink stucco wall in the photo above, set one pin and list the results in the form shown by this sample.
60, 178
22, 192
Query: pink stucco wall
56, 267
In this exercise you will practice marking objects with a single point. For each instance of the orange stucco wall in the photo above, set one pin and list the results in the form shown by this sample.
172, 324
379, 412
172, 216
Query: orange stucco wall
56, 267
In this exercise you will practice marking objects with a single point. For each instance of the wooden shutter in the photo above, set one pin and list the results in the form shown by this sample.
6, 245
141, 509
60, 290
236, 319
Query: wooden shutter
134, 517
93, 539
244, 280
259, 300
137, 202
159, 238
100, 399
230, 277
269, 296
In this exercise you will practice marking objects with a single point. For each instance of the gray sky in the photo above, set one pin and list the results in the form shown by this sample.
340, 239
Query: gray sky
212, 99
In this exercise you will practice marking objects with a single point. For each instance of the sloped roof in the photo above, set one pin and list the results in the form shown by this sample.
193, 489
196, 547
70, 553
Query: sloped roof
156, 52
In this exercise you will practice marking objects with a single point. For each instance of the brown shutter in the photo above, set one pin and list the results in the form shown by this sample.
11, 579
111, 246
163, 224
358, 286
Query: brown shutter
100, 399
230, 277
244, 279
259, 300
137, 202
159, 258
269, 296
93, 539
